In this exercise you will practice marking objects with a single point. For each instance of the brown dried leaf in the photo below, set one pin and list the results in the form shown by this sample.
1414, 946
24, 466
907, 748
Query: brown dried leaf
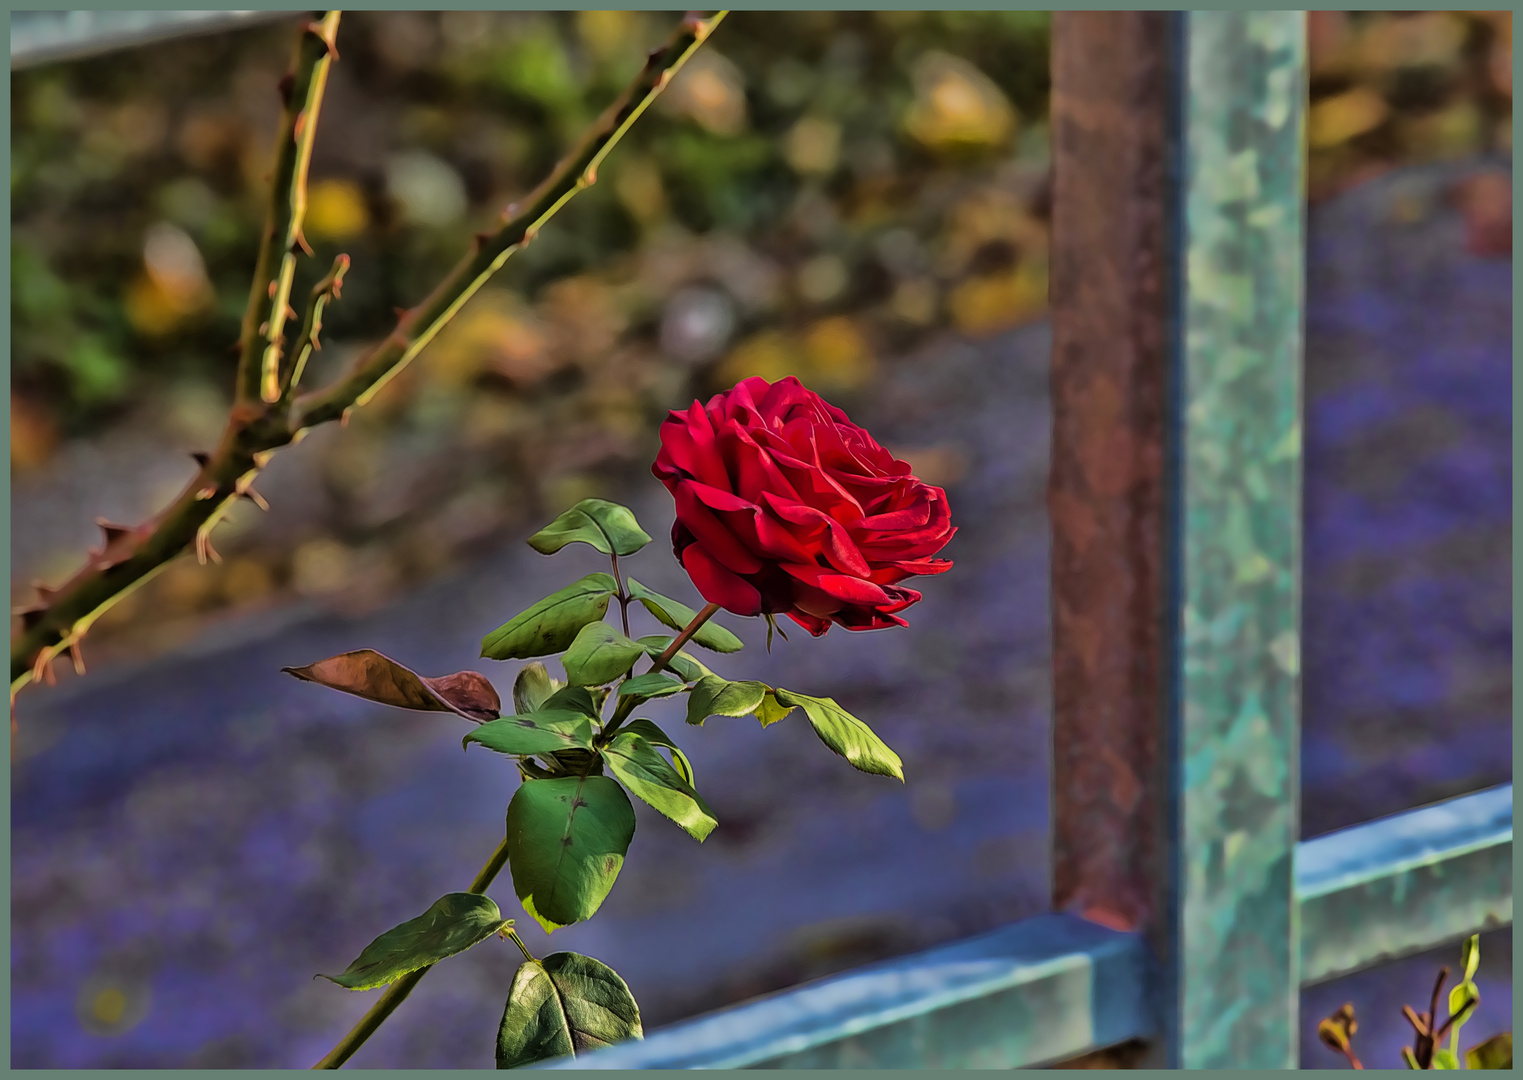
367, 674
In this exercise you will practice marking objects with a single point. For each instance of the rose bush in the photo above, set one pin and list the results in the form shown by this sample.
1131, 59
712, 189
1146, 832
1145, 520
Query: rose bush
786, 507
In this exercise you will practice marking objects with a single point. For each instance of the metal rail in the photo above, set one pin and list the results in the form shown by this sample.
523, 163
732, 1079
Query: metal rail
1056, 986
43, 37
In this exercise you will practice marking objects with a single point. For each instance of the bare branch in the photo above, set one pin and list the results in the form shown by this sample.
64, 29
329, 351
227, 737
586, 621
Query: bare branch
263, 418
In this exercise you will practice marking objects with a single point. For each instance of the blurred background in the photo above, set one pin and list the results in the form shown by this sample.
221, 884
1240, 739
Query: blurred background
860, 199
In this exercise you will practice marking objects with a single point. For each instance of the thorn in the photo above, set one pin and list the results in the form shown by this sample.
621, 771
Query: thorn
343, 421
113, 531
301, 122
204, 547
257, 499
42, 666
273, 286
262, 457
44, 593
301, 242
264, 328
206, 493
290, 311
200, 457
316, 30
78, 657
590, 177
285, 86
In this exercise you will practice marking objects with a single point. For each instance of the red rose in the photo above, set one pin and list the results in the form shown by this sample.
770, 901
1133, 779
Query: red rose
784, 506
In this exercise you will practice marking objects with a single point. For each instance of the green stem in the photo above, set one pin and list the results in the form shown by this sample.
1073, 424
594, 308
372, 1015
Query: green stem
397, 992
627, 704
521, 946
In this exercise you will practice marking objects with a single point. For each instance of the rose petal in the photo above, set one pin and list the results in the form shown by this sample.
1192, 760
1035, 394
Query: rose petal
718, 585
719, 541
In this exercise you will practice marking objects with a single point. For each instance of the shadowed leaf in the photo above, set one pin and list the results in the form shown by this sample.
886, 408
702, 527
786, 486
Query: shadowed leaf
566, 843
656, 737
451, 925
683, 663
553, 623
651, 685
678, 615
532, 687
846, 735
561, 1006
537, 733
366, 673
647, 774
607, 526
1494, 1053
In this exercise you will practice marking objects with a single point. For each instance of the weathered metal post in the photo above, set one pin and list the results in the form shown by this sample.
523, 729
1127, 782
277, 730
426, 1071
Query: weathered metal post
1175, 506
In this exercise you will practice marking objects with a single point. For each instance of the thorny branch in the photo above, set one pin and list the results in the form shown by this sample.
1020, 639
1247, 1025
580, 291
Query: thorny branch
263, 418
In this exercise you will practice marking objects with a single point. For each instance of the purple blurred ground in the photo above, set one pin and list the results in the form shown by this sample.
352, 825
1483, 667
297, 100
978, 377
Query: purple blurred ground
203, 833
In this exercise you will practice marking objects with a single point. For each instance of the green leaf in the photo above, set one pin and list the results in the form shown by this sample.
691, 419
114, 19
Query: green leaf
532, 687
607, 526
562, 1006
656, 737
683, 663
451, 925
770, 711
1444, 1059
678, 615
575, 698
543, 732
566, 842
647, 774
1494, 1053
600, 654
846, 735
652, 684
366, 673
1460, 997
713, 696
1470, 956
553, 623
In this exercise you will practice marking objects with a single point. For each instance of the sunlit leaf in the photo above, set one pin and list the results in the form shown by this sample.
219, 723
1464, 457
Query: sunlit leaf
846, 735
1494, 1053
656, 737
599, 654
609, 527
561, 1006
566, 843
648, 776
532, 687
678, 615
552, 624
713, 696
653, 684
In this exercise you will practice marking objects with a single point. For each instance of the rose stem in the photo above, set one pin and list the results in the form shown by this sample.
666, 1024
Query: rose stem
623, 596
397, 992
627, 704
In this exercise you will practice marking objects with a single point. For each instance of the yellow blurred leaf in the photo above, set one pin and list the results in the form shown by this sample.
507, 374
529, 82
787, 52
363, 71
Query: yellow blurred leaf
1338, 119
336, 210
33, 435
986, 305
711, 90
957, 105
496, 331
839, 356
813, 146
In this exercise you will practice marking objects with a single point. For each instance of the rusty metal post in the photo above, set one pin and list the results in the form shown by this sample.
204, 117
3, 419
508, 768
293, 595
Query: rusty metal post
1110, 109
1175, 508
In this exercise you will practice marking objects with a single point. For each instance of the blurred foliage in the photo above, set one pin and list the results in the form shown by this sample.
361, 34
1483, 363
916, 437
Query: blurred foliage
815, 191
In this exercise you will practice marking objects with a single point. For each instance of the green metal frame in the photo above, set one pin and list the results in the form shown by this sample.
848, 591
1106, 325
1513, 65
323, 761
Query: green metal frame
1251, 914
